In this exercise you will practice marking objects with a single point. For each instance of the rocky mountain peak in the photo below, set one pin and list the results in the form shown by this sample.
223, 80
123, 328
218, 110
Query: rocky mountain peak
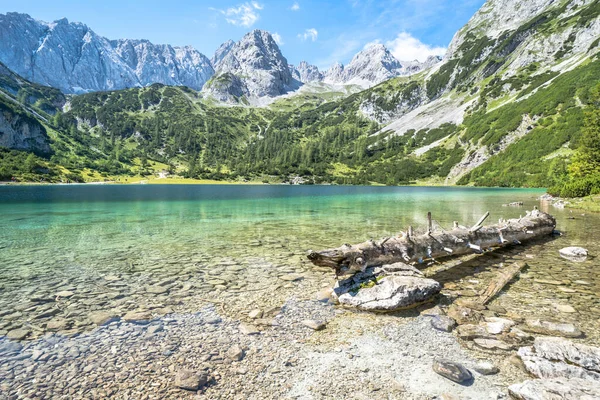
221, 53
306, 72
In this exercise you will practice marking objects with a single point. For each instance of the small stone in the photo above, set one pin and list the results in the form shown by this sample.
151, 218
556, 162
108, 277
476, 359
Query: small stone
486, 368
497, 326
314, 325
497, 309
190, 380
235, 353
101, 318
492, 344
291, 277
565, 308
451, 370
155, 329
464, 315
65, 293
58, 324
112, 278
442, 323
248, 329
18, 334
254, 314
470, 332
138, 317
157, 289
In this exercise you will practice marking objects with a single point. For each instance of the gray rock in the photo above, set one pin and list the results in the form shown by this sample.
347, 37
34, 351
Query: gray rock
248, 329
574, 253
486, 368
555, 389
442, 323
18, 334
373, 291
102, 318
138, 317
190, 380
235, 353
551, 328
314, 325
451, 370
492, 344
557, 357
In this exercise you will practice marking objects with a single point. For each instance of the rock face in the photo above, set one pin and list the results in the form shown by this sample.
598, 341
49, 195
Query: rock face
221, 53
386, 288
373, 65
306, 73
73, 58
253, 67
20, 131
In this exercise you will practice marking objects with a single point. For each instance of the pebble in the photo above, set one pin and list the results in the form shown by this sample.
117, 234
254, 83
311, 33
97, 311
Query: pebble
314, 325
18, 334
65, 293
254, 314
565, 308
248, 329
235, 353
190, 380
442, 323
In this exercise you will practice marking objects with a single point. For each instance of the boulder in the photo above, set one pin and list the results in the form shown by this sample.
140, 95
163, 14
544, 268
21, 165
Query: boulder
452, 370
388, 288
554, 389
551, 328
574, 253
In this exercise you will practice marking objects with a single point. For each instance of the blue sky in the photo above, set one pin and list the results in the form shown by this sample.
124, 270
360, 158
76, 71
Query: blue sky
320, 32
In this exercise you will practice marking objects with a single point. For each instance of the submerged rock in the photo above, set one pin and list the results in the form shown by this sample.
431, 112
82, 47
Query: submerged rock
574, 253
551, 328
554, 389
451, 370
190, 380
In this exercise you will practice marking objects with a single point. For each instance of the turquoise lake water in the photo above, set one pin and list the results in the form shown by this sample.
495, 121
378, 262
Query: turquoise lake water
111, 244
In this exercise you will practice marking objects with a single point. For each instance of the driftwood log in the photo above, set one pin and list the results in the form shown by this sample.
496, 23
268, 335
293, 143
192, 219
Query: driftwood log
411, 248
500, 282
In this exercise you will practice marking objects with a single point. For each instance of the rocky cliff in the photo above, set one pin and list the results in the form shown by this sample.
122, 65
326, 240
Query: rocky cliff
72, 57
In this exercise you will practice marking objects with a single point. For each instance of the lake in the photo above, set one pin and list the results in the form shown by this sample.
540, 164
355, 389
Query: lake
165, 248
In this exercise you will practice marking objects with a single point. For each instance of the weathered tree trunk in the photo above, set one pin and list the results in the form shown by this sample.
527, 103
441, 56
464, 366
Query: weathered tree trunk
415, 249
499, 283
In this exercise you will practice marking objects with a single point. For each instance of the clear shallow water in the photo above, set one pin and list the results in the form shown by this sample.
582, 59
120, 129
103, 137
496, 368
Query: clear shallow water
160, 248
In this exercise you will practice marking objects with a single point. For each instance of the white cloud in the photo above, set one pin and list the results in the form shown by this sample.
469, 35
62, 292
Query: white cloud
245, 14
311, 34
278, 39
408, 48
295, 6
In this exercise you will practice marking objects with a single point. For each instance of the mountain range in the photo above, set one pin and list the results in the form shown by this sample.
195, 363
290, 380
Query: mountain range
505, 106
72, 57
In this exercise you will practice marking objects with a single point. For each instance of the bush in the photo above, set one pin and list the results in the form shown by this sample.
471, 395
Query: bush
577, 188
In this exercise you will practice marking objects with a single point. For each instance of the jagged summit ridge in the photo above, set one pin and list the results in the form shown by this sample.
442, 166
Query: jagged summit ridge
72, 57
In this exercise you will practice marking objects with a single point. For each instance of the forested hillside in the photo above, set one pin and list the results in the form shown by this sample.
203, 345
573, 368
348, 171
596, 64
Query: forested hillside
504, 108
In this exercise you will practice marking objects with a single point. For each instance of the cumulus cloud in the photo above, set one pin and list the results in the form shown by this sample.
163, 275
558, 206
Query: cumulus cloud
245, 14
295, 6
309, 34
406, 47
278, 39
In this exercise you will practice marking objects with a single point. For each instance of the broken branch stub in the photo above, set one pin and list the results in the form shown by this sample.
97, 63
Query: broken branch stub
417, 248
